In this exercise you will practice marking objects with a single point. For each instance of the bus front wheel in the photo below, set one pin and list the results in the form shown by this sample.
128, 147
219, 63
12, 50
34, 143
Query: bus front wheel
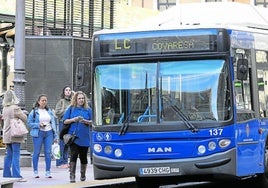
261, 181
147, 182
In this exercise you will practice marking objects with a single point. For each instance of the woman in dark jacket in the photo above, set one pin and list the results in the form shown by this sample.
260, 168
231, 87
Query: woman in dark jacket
61, 106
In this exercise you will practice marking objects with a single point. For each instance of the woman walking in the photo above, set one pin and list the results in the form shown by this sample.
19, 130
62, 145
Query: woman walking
61, 106
79, 116
41, 120
12, 158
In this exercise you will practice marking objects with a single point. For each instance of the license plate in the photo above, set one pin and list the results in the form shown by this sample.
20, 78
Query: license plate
155, 170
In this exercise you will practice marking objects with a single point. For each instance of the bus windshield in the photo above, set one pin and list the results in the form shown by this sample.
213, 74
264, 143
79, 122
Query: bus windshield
162, 92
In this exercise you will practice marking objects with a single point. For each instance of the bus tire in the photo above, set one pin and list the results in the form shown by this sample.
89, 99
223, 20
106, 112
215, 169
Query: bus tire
261, 180
147, 182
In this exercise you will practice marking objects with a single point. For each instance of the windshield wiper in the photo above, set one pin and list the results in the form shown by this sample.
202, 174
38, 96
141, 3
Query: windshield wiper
143, 93
125, 125
180, 114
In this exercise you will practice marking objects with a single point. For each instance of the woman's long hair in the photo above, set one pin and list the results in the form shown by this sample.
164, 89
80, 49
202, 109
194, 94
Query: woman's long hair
74, 99
62, 95
10, 98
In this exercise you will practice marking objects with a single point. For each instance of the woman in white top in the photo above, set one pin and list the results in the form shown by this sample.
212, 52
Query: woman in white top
43, 131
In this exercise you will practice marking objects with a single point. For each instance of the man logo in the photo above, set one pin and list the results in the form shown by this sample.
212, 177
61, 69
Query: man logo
160, 150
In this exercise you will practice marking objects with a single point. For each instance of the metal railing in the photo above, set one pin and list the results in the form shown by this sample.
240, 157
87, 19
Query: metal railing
79, 18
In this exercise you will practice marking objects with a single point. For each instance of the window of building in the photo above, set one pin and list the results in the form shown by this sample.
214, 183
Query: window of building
165, 4
263, 3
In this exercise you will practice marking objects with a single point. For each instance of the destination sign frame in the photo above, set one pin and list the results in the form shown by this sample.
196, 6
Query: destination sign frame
127, 45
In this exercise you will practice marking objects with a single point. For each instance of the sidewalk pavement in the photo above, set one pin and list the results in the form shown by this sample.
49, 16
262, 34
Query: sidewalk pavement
60, 177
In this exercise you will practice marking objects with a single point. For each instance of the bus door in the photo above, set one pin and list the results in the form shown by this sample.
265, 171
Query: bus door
248, 125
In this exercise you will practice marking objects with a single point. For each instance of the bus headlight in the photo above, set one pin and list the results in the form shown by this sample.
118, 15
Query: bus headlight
97, 148
224, 143
201, 149
108, 149
118, 152
211, 146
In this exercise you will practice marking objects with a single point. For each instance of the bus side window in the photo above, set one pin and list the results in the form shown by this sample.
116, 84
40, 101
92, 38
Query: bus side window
243, 115
262, 79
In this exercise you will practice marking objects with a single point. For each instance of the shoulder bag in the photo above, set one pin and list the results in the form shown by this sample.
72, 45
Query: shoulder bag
64, 130
17, 128
68, 139
66, 127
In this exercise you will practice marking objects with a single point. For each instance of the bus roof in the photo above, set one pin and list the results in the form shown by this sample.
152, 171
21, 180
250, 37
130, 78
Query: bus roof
205, 15
218, 13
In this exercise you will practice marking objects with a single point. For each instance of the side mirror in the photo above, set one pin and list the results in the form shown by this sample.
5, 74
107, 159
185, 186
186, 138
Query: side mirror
242, 69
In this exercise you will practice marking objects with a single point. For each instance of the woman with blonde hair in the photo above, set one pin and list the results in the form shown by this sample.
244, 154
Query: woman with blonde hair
79, 116
12, 158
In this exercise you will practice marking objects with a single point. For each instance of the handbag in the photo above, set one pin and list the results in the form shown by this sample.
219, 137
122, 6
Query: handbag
68, 139
17, 128
66, 127
64, 130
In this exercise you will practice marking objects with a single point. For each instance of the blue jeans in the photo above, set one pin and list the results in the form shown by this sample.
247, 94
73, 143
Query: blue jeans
44, 138
12, 161
64, 150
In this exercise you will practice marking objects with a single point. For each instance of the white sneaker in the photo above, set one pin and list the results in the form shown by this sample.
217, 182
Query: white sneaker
48, 174
36, 174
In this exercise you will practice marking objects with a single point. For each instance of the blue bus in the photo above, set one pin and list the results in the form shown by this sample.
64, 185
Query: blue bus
175, 103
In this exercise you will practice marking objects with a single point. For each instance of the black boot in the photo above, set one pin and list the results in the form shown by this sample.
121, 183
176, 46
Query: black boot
83, 172
72, 171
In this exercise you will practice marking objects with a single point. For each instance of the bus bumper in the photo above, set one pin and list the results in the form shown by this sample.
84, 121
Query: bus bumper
217, 164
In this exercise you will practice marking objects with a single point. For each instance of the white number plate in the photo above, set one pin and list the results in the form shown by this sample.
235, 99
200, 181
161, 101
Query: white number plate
155, 170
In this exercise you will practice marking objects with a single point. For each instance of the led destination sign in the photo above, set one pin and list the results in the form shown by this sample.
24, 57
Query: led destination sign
156, 45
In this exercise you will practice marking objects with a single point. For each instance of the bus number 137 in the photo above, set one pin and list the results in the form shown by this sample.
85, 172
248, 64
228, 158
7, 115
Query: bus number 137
215, 132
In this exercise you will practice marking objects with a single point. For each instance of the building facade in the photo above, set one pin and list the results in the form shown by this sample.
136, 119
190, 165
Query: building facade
161, 5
